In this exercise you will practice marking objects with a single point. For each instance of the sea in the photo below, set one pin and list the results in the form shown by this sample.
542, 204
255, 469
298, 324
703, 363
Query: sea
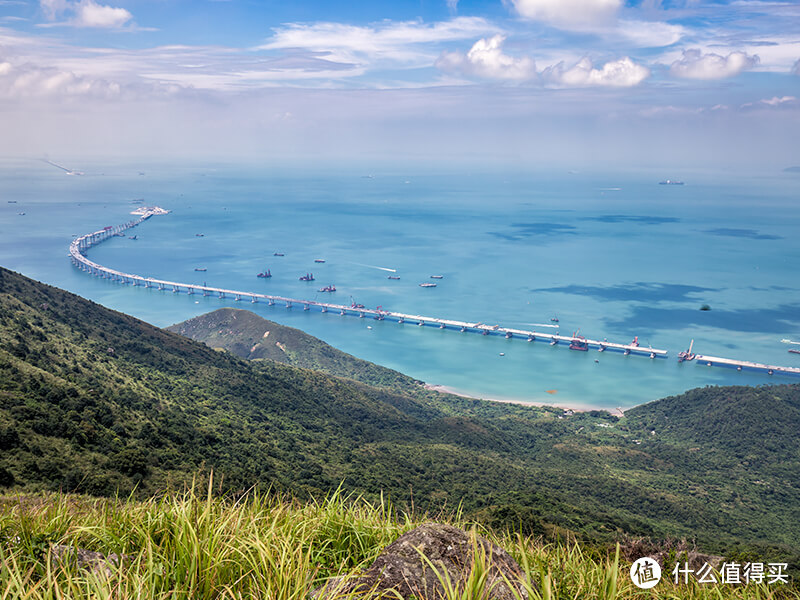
609, 254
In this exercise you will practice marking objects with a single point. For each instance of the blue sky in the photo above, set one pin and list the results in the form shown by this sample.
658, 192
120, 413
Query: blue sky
570, 82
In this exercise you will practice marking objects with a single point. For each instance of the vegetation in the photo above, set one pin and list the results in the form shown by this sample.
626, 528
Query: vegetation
266, 546
96, 402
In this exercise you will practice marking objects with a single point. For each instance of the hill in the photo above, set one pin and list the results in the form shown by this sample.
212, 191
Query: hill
95, 401
249, 336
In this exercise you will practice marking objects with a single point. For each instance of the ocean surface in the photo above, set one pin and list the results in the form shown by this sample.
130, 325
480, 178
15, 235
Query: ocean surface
614, 255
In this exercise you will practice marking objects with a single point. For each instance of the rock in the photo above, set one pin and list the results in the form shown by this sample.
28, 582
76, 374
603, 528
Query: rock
96, 562
400, 568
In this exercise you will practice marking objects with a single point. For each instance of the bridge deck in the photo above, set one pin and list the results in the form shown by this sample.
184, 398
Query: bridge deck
82, 243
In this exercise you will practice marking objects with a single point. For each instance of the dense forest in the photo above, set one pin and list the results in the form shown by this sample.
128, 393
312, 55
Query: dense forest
97, 402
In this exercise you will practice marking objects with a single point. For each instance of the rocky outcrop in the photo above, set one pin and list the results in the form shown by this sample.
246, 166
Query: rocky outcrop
449, 556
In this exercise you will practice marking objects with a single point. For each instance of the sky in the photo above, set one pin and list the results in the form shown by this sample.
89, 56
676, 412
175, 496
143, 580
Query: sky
540, 83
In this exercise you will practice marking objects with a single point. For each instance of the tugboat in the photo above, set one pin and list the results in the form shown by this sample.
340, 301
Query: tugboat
307, 277
579, 342
392, 277
264, 274
329, 288
427, 285
686, 354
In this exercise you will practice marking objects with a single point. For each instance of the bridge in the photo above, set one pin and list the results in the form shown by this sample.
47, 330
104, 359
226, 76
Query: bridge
80, 245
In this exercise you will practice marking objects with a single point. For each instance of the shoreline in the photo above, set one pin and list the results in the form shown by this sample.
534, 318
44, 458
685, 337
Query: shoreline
567, 405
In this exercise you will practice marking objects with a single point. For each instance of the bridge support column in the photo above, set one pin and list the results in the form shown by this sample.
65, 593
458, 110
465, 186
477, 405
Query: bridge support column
324, 309
306, 307
253, 299
238, 297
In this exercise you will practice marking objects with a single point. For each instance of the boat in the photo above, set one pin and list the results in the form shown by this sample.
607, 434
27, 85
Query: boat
199, 235
437, 276
354, 304
319, 260
670, 182
307, 277
133, 237
278, 254
686, 354
202, 269
330, 288
554, 319
793, 351
392, 277
427, 285
579, 342
265, 274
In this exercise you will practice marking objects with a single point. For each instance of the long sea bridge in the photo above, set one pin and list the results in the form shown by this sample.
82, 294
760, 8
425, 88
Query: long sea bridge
81, 244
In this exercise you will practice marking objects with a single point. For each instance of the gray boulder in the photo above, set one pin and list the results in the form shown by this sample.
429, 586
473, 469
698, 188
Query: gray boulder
400, 570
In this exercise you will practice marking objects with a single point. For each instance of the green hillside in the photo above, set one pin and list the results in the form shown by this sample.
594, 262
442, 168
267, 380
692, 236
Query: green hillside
98, 402
252, 337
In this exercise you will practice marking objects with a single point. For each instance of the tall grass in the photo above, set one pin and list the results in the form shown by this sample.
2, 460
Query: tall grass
193, 545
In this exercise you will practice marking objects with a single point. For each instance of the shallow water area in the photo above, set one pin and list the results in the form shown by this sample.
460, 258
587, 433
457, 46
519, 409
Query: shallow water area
612, 255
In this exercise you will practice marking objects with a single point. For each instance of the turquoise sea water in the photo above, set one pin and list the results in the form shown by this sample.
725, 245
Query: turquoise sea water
613, 254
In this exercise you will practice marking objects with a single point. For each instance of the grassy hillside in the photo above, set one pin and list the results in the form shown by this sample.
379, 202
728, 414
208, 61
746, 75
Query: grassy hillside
252, 337
185, 546
98, 402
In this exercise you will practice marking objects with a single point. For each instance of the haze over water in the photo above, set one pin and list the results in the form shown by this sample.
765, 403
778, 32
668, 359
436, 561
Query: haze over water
613, 254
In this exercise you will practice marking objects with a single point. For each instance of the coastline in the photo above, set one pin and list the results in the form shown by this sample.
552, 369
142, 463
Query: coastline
566, 405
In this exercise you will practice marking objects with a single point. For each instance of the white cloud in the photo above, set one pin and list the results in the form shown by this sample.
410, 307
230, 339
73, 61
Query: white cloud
398, 42
32, 81
486, 59
452, 5
90, 14
774, 102
568, 13
696, 65
619, 73
86, 13
649, 34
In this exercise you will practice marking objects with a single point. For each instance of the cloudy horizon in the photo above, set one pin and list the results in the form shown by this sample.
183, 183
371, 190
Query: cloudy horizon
562, 82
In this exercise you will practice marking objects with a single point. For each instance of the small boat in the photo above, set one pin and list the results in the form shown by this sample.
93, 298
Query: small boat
199, 235
427, 285
686, 354
330, 288
554, 319
670, 182
502, 354
12, 201
265, 274
579, 342
392, 277
22, 214
307, 277
278, 254
793, 351
319, 260
202, 269
437, 276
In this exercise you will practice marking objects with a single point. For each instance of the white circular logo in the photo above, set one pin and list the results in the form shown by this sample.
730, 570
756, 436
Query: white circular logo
645, 573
